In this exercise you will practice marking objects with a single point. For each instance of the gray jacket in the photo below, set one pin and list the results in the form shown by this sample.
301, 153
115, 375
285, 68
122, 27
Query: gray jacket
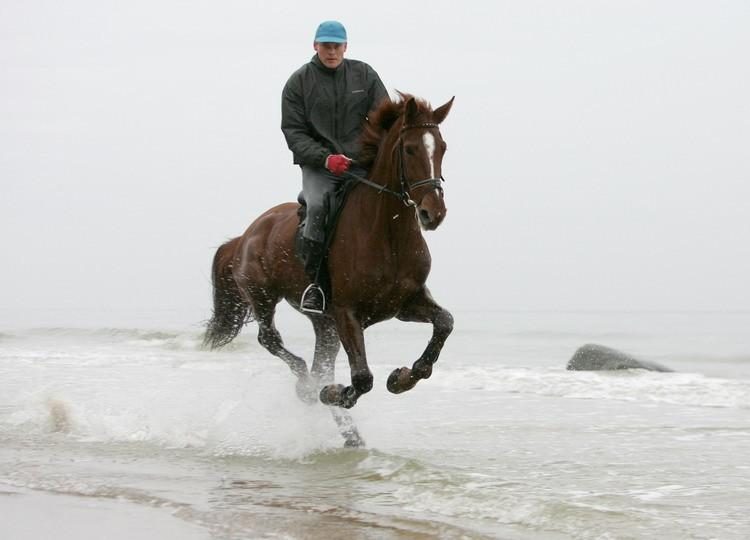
322, 109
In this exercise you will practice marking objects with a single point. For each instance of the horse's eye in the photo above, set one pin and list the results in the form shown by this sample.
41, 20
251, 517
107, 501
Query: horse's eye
411, 149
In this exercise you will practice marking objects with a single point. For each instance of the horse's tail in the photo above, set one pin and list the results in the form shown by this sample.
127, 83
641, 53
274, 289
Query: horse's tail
231, 312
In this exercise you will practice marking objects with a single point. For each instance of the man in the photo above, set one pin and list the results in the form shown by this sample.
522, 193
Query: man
323, 107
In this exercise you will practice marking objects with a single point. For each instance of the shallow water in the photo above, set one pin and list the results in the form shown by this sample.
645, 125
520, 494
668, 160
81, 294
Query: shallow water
501, 442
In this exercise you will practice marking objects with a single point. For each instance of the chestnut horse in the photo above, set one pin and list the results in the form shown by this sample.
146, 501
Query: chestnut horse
378, 260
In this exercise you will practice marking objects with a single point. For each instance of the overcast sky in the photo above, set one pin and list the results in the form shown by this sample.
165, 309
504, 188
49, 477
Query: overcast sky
598, 151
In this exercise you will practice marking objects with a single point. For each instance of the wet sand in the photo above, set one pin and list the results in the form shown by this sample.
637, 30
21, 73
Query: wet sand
35, 515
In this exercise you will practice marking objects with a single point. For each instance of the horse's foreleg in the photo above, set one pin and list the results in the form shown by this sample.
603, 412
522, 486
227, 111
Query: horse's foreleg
351, 335
422, 308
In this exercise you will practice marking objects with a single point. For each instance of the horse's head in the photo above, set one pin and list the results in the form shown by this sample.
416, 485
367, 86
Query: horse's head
420, 149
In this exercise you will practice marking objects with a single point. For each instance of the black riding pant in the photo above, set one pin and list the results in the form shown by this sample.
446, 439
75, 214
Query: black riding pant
319, 187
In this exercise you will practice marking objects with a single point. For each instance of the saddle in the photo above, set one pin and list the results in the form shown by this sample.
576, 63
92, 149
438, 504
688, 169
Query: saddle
334, 204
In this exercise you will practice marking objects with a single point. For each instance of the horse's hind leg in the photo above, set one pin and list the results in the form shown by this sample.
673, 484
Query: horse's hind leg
422, 308
269, 337
327, 346
352, 438
353, 340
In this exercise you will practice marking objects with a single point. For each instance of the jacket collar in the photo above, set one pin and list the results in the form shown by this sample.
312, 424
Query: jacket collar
320, 65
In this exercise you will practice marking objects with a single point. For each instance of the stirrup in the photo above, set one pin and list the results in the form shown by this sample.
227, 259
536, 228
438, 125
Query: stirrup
315, 294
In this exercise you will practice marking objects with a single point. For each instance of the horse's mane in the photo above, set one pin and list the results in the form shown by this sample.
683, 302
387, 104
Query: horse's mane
381, 120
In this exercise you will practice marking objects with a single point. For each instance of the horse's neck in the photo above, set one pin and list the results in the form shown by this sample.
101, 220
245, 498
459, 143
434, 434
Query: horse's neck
396, 221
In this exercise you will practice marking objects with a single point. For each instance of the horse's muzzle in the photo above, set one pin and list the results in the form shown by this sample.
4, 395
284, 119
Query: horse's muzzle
430, 219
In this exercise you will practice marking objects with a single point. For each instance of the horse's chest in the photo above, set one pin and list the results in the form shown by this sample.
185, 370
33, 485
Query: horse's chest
379, 280
399, 287
389, 290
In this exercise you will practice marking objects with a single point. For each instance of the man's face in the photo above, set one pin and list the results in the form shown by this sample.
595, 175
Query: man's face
331, 54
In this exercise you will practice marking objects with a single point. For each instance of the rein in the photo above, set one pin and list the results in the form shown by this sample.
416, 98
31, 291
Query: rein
404, 196
377, 187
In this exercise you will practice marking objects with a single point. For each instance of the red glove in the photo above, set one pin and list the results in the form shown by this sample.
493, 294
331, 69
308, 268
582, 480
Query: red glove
338, 164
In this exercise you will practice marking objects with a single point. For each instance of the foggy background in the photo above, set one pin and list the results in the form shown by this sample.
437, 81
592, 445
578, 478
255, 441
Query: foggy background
598, 151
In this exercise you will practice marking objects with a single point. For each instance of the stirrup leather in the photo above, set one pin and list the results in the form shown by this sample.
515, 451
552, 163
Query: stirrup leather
312, 288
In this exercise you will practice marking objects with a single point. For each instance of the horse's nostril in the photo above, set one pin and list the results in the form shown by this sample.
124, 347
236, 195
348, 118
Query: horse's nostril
424, 216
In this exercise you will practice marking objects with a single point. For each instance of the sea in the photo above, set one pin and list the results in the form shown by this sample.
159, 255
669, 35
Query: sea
135, 431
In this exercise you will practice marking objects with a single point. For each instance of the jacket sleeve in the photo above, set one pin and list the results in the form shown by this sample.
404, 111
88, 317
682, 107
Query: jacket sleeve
295, 127
377, 89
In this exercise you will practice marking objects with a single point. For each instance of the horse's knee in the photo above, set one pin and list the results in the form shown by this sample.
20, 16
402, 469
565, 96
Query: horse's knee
362, 381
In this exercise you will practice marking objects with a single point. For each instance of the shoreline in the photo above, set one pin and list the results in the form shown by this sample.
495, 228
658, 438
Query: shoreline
30, 515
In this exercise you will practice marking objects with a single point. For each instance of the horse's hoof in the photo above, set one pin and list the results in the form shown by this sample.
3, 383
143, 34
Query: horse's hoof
307, 390
353, 440
338, 395
330, 394
400, 380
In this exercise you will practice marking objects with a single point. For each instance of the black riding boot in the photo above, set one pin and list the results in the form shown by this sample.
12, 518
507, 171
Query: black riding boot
313, 299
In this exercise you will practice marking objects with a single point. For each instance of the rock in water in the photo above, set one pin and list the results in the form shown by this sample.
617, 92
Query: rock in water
592, 357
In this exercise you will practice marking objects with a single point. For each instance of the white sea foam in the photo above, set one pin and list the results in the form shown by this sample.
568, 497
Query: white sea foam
625, 385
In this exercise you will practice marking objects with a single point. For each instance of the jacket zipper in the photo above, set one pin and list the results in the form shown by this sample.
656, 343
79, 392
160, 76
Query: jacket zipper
335, 108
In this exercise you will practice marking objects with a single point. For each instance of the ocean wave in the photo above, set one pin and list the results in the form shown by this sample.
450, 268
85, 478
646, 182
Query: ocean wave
117, 334
690, 389
168, 340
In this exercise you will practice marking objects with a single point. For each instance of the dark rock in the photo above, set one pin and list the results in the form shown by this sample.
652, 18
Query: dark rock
593, 357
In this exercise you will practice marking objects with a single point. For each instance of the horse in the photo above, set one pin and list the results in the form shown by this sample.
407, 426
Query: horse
378, 262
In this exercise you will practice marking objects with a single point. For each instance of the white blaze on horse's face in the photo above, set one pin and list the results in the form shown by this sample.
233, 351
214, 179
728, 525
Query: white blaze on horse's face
429, 143
430, 208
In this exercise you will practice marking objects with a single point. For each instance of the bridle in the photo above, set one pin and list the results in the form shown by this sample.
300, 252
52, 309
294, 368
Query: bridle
406, 187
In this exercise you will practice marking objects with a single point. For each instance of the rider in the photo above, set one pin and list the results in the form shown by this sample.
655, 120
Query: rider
323, 107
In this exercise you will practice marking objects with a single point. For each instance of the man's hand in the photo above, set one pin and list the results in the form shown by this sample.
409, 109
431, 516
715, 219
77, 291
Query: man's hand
338, 164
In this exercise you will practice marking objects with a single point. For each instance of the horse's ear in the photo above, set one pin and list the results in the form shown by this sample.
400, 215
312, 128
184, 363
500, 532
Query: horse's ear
411, 110
439, 114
